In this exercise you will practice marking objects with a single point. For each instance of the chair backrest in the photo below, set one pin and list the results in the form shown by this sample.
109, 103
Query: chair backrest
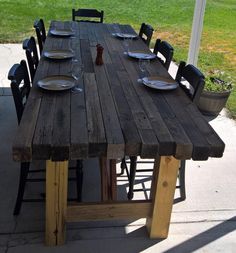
20, 86
32, 55
145, 33
166, 50
87, 15
195, 79
40, 32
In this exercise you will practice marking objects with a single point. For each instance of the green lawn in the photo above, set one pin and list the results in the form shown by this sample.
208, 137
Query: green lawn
171, 19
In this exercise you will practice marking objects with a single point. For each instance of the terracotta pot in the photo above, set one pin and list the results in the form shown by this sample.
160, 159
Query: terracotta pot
211, 103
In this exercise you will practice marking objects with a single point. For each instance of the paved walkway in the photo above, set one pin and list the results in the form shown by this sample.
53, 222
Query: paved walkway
205, 222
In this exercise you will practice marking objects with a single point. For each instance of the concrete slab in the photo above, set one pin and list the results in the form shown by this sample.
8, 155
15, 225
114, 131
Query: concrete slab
205, 222
10, 54
207, 240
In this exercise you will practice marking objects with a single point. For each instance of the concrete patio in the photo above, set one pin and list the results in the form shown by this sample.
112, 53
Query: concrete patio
205, 222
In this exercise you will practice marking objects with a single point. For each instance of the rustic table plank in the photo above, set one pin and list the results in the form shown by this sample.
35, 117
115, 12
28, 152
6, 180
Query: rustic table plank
114, 136
43, 133
79, 134
128, 126
217, 146
179, 104
86, 56
22, 145
149, 145
61, 139
61, 128
167, 143
95, 126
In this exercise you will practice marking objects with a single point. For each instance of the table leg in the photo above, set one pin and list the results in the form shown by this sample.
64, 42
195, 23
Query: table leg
56, 202
113, 182
104, 179
108, 179
162, 194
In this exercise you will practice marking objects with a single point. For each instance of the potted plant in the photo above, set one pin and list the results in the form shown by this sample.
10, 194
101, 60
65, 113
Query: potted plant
218, 87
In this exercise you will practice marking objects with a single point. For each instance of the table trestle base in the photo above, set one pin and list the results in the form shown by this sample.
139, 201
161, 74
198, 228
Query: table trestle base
107, 211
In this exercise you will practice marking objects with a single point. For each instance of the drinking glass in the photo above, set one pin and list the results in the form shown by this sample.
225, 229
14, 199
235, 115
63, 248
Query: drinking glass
72, 48
77, 74
126, 44
54, 25
73, 29
143, 66
116, 28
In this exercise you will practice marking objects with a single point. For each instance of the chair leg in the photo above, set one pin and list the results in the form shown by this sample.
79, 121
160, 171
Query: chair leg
24, 169
182, 180
122, 166
133, 165
79, 179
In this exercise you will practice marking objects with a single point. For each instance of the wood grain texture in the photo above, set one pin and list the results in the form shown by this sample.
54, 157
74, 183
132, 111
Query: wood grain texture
108, 179
107, 211
56, 202
61, 128
22, 146
162, 195
129, 129
114, 115
104, 179
150, 143
95, 126
114, 136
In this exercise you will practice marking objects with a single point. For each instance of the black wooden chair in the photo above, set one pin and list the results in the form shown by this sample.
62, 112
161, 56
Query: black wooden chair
192, 81
166, 50
20, 86
145, 33
194, 78
41, 33
29, 45
87, 15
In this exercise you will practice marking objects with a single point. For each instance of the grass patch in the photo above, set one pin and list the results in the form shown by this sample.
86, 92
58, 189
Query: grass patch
172, 21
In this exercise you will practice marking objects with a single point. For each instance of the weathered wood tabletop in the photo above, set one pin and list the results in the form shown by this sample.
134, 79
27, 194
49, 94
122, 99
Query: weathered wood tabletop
114, 115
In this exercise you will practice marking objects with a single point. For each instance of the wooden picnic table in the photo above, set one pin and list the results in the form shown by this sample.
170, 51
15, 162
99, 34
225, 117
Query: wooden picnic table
112, 117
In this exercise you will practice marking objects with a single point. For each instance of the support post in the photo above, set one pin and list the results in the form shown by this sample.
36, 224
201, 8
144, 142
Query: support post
196, 32
162, 196
56, 202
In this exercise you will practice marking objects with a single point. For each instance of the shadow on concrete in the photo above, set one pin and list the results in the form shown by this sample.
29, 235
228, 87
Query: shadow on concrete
206, 237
